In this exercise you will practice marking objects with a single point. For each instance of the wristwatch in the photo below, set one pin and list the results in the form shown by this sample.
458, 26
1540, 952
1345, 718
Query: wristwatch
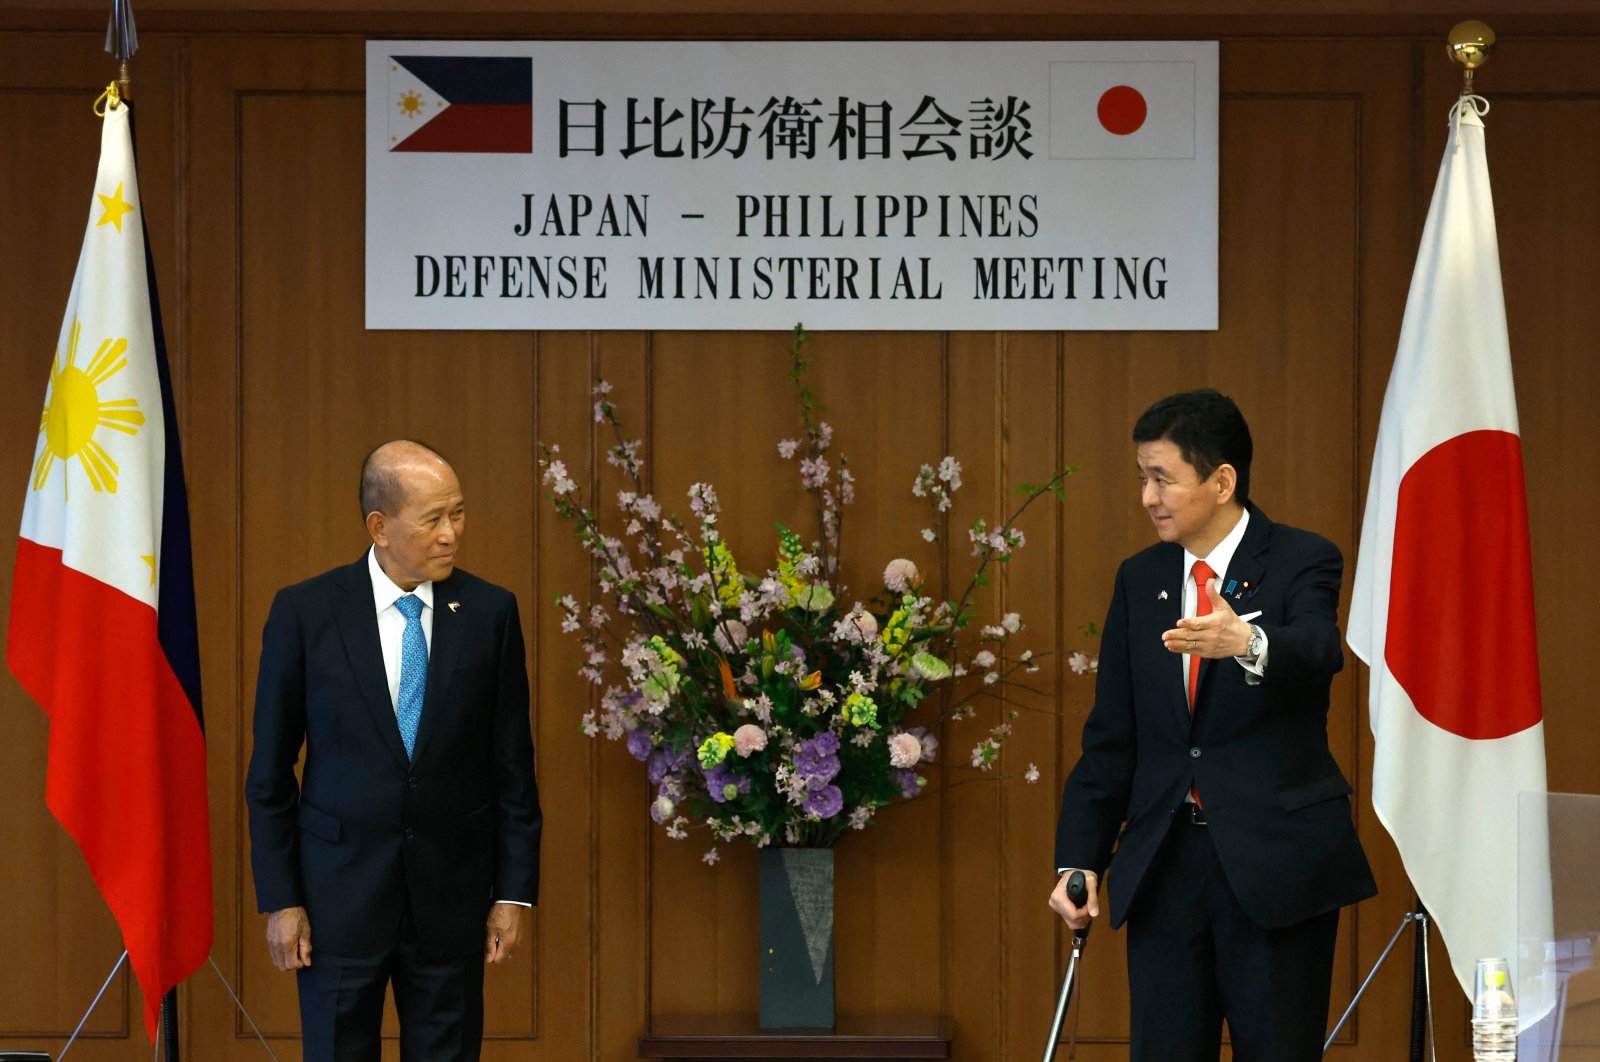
1258, 642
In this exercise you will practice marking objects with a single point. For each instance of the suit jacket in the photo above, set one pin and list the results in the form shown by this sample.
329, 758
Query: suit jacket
364, 832
1277, 804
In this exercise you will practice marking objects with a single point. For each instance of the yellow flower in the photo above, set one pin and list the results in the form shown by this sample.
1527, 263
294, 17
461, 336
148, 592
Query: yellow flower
714, 749
860, 710
811, 681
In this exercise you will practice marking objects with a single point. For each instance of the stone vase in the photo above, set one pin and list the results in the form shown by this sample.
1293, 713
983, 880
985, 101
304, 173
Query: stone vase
796, 938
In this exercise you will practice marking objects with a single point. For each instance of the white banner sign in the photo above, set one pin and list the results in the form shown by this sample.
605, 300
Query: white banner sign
750, 185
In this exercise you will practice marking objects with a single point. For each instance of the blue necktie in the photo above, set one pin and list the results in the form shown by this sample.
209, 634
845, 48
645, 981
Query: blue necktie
413, 671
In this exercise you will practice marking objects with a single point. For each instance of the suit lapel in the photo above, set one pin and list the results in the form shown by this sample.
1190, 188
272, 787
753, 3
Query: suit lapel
1169, 611
358, 627
442, 655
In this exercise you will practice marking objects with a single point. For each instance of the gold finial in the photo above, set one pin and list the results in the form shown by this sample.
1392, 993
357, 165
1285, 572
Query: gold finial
1470, 44
109, 100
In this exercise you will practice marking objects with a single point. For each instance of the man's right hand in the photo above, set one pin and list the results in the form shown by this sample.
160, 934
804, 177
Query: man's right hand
1076, 917
289, 938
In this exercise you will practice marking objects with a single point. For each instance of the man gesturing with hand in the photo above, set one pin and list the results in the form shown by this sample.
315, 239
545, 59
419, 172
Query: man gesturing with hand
1206, 794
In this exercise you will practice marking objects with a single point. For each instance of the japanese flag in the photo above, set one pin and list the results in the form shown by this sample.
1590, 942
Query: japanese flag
1126, 110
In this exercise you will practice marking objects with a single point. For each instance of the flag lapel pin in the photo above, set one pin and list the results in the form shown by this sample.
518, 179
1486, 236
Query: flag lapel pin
455, 606
1161, 596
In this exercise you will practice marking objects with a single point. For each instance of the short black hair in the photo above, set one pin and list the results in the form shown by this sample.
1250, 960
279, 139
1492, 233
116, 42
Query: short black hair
381, 490
1208, 430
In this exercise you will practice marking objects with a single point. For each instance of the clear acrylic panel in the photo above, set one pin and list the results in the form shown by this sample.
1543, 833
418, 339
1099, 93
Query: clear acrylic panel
1558, 927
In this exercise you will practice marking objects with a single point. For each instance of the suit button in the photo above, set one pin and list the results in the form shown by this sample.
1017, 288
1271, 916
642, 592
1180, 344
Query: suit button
1194, 754
411, 783
410, 833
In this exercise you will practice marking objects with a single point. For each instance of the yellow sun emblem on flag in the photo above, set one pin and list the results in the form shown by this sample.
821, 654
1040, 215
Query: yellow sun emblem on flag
410, 104
73, 411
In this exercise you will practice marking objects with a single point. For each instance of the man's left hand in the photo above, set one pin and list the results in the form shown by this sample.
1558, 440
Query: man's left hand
505, 925
1215, 637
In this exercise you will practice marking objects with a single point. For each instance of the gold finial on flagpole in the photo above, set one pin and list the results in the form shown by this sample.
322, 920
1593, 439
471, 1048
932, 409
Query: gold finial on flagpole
1470, 44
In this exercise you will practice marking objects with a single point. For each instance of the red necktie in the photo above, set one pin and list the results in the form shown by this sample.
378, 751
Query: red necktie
1202, 607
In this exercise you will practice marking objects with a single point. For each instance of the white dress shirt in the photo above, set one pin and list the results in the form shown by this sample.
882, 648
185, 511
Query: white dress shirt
392, 622
1219, 559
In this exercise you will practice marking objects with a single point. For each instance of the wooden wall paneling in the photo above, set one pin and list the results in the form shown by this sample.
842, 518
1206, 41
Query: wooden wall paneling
1031, 585
68, 941
583, 855
315, 391
625, 901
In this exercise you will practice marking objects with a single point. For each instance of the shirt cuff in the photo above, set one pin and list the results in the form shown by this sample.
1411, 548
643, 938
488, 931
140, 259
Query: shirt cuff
519, 903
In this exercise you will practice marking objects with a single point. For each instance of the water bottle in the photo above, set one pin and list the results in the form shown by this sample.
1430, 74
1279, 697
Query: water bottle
1494, 1014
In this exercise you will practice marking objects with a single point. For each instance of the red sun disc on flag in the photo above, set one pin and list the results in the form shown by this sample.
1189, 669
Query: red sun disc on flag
1460, 639
1122, 110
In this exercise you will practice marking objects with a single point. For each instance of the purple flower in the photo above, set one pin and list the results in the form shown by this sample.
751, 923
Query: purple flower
910, 784
639, 743
664, 761
813, 759
719, 780
825, 803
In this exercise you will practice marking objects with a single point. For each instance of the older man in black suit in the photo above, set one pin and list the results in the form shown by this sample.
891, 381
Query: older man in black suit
410, 845
1205, 766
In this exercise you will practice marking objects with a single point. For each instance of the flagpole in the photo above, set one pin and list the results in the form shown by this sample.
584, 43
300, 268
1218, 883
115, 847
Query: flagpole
122, 41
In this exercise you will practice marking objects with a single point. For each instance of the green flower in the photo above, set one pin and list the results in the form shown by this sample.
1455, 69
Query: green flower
714, 749
814, 598
930, 667
860, 710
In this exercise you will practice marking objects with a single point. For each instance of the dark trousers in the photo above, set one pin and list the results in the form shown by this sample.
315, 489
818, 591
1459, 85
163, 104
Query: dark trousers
1195, 959
440, 1002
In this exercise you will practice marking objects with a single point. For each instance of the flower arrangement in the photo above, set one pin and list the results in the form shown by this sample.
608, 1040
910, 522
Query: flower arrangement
761, 705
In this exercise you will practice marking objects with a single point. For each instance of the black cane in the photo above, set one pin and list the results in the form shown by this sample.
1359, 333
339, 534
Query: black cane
1078, 893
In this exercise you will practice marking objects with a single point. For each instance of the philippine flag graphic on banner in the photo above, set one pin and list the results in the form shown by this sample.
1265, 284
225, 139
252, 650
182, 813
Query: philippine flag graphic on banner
461, 103
1132, 110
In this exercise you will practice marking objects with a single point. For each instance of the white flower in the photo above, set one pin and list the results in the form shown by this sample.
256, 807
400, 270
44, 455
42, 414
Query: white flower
676, 830
905, 750
991, 678
1012, 622
787, 447
1031, 775
950, 472
1078, 662
730, 636
711, 857
983, 659
928, 534
901, 575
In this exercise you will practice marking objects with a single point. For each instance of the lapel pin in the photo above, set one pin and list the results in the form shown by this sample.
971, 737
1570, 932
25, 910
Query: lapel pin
1231, 584
455, 606
1161, 596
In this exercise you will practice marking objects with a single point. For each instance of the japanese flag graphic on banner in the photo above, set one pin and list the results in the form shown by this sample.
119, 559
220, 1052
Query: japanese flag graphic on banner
1442, 611
102, 628
1129, 110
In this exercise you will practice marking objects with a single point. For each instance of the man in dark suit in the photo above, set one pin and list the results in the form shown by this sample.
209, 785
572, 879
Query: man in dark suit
1205, 766
410, 845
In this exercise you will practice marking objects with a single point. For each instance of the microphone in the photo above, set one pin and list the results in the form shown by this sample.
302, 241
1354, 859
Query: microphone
1078, 893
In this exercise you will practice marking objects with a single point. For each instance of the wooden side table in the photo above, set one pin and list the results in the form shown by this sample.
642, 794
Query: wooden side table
690, 1039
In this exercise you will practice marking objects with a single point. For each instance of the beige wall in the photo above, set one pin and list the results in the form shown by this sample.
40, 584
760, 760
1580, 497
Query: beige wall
251, 147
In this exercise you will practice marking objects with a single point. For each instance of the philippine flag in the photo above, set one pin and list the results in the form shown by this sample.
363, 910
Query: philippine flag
102, 628
461, 103
1442, 611
1122, 110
